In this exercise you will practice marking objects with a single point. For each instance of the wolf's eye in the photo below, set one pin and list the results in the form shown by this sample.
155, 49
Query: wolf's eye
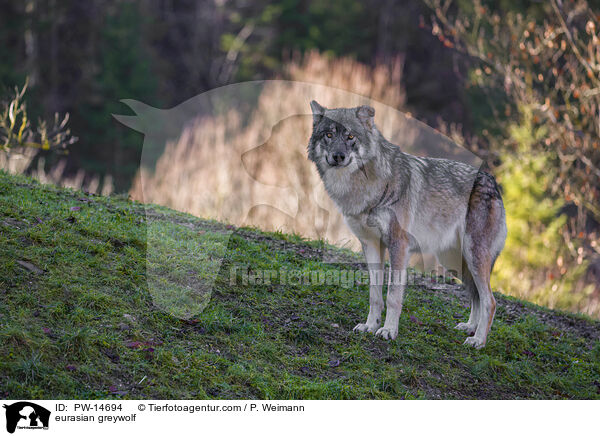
329, 135
350, 136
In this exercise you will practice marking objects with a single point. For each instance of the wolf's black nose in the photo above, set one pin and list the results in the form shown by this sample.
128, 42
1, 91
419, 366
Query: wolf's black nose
338, 157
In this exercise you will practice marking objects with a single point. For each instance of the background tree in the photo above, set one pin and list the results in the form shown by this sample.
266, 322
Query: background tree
83, 57
540, 73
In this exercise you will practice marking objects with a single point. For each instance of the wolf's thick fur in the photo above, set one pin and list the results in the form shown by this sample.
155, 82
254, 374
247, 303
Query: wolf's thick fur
396, 201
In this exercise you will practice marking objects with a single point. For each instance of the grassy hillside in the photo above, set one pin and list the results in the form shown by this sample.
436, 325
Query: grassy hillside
80, 318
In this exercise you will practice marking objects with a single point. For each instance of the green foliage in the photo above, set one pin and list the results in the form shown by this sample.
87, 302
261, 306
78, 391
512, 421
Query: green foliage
340, 28
82, 320
124, 71
531, 266
526, 63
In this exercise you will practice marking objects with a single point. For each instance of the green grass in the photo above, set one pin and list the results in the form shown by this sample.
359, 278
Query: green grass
107, 298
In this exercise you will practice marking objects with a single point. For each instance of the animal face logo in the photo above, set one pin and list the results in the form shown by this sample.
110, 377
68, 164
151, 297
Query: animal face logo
26, 415
237, 154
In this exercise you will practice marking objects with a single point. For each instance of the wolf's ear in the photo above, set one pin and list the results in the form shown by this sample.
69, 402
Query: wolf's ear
317, 111
365, 115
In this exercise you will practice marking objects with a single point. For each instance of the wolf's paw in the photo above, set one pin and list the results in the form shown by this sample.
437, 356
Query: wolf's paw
365, 328
475, 342
466, 327
387, 333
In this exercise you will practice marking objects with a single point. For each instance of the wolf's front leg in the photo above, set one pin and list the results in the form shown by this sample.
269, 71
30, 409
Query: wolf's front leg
374, 255
398, 248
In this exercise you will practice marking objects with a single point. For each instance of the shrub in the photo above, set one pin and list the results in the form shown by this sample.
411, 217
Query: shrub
540, 72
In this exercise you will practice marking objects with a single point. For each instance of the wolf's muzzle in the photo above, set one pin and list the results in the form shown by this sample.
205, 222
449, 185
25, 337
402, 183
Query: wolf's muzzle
338, 159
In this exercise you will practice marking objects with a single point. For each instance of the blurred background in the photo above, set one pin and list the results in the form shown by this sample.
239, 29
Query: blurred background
515, 82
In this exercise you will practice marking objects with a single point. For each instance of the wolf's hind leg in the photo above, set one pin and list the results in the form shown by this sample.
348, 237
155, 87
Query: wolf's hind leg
471, 325
485, 233
481, 270
374, 251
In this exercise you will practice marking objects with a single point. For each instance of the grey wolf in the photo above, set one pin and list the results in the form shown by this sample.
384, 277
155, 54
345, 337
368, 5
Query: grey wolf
402, 203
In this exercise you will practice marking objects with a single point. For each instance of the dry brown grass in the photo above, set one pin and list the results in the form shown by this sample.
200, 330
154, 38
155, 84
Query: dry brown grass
258, 173
19, 160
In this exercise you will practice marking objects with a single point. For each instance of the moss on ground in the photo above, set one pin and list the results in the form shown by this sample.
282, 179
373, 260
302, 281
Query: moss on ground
103, 298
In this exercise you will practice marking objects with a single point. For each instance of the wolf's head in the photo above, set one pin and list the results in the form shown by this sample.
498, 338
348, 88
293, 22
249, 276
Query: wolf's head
342, 139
